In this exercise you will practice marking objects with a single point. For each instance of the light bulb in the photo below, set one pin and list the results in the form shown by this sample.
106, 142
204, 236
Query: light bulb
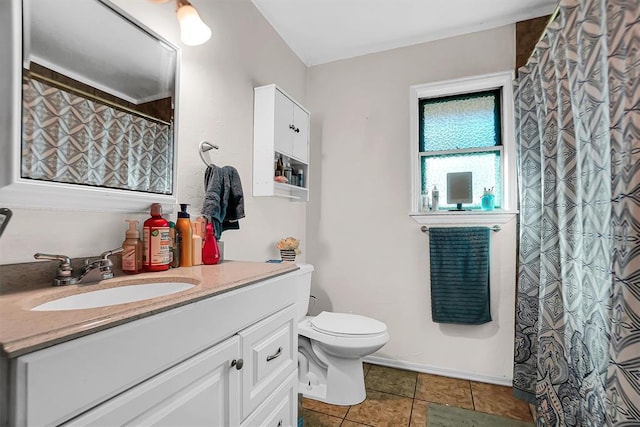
192, 30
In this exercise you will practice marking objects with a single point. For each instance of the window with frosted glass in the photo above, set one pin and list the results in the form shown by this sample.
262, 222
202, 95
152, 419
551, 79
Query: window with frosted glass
461, 133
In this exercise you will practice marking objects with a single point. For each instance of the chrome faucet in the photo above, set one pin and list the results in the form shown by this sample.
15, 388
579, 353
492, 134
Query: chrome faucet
93, 270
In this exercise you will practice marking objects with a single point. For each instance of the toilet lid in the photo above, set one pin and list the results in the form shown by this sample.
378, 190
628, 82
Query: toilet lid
347, 324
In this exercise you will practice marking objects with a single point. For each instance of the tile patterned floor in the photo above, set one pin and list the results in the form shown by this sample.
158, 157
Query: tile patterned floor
396, 397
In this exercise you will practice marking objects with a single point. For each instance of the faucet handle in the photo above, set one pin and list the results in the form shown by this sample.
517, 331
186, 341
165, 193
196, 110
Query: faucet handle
107, 254
64, 273
64, 260
103, 258
106, 264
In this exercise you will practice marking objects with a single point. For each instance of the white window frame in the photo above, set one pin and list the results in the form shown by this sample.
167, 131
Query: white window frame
501, 80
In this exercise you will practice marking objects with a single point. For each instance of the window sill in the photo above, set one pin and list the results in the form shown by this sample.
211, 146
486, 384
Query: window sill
497, 216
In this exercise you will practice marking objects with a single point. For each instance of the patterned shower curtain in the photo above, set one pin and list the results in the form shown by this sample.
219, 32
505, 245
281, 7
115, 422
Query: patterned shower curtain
577, 347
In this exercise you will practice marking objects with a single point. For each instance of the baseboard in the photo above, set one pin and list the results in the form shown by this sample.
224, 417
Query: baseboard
417, 367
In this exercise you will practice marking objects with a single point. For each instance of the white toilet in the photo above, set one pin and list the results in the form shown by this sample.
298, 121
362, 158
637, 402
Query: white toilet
331, 347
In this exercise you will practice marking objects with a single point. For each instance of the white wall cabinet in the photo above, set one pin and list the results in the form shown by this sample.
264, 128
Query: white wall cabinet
280, 129
220, 361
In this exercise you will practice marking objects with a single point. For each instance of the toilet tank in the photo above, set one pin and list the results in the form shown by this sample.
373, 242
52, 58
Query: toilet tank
303, 288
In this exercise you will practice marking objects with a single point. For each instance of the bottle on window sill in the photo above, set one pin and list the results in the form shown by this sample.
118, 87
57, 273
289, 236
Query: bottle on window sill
424, 202
435, 199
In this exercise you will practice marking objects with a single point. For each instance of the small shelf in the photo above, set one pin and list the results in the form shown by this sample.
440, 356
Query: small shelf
289, 191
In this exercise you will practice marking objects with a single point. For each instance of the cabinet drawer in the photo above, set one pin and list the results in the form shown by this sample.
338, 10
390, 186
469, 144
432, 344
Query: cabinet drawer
281, 409
270, 353
194, 393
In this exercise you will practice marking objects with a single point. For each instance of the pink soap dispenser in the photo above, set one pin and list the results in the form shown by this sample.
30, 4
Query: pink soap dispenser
210, 251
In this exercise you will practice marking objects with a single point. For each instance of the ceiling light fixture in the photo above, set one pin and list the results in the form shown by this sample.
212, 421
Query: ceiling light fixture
193, 31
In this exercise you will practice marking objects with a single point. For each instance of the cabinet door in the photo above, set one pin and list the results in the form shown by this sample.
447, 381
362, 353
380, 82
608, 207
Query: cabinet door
283, 135
203, 390
270, 353
300, 134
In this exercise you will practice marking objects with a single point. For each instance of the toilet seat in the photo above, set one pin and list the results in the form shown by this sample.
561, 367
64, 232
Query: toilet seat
347, 325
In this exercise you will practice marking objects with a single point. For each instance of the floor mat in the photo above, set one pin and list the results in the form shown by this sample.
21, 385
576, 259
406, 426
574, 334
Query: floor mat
450, 416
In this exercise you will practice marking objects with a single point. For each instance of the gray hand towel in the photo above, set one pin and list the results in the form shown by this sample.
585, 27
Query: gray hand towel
224, 199
235, 199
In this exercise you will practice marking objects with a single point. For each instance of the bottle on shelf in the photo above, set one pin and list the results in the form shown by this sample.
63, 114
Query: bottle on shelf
210, 250
177, 244
424, 202
197, 245
287, 173
300, 178
155, 233
184, 225
279, 167
132, 249
435, 199
200, 228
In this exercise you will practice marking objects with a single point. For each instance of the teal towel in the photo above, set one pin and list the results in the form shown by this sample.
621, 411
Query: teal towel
460, 275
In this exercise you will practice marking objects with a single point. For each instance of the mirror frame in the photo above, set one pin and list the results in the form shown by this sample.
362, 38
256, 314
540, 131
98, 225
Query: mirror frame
18, 192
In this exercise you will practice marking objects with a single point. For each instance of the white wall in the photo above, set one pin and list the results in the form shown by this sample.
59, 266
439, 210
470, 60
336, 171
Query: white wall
370, 256
216, 104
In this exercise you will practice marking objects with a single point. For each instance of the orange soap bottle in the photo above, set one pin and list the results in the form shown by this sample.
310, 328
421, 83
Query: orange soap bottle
184, 225
156, 239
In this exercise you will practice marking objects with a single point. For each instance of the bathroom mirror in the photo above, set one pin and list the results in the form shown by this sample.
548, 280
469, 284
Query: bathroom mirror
93, 120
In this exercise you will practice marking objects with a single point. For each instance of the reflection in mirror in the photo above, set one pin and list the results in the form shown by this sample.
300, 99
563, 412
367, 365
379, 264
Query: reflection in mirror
98, 95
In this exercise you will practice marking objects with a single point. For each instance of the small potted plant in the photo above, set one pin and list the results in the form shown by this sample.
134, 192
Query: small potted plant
289, 248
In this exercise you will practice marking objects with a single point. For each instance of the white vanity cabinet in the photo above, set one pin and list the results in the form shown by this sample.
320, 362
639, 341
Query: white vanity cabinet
227, 360
280, 130
199, 391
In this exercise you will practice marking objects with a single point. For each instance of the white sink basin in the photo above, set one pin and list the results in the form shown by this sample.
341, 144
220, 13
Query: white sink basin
113, 296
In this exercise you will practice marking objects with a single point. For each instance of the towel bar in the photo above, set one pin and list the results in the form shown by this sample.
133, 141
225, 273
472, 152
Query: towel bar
203, 148
495, 228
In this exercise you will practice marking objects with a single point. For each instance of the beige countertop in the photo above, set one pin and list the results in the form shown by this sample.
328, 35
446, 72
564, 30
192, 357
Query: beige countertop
23, 331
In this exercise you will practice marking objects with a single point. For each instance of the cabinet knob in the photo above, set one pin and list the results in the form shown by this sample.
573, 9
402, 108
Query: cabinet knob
237, 363
292, 127
280, 423
297, 130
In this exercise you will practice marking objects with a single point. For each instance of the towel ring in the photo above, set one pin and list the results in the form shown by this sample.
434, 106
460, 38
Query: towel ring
495, 228
203, 148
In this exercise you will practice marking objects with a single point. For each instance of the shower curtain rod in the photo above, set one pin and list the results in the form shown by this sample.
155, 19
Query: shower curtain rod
495, 228
65, 87
551, 18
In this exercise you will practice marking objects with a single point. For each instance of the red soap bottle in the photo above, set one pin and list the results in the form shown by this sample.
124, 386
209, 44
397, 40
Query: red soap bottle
210, 250
156, 239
